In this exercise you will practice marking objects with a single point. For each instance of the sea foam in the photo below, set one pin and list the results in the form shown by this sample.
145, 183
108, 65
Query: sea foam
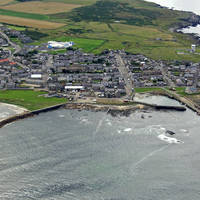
169, 140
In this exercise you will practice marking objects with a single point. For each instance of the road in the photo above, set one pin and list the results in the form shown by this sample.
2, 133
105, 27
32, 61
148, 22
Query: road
17, 50
125, 74
15, 46
166, 77
46, 68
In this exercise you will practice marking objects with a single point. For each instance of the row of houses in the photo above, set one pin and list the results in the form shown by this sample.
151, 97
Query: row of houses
145, 72
95, 74
23, 38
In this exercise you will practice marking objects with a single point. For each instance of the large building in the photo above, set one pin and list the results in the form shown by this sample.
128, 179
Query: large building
59, 45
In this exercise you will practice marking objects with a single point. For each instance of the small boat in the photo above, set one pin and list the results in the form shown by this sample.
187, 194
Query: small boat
170, 132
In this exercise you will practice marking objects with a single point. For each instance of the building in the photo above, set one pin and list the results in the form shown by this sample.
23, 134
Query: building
59, 45
193, 48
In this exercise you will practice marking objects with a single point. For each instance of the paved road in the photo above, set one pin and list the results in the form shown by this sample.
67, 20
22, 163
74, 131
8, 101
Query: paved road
125, 74
47, 67
166, 76
15, 46
17, 50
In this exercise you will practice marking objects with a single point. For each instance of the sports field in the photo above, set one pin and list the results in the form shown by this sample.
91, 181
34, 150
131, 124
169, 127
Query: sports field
29, 22
41, 7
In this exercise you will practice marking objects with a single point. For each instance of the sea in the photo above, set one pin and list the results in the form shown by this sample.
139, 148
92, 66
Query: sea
84, 155
185, 5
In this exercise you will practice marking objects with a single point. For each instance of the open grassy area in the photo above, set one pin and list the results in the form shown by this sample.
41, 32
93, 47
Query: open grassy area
86, 44
17, 28
141, 90
23, 14
31, 100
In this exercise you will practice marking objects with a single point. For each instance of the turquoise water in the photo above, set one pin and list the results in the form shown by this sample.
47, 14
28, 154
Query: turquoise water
73, 155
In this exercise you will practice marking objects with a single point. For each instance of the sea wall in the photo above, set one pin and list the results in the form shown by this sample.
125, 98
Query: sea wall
15, 118
28, 114
183, 100
114, 110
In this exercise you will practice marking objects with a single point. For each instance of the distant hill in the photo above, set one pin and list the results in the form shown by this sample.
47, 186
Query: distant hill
109, 11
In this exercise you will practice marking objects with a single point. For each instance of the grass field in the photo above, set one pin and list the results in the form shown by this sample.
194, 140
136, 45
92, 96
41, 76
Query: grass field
23, 15
29, 22
17, 28
29, 99
87, 44
141, 90
40, 7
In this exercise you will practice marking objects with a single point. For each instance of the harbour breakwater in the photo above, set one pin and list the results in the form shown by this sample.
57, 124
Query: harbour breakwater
114, 110
183, 100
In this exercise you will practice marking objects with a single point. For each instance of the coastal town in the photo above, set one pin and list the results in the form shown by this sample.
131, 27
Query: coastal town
75, 74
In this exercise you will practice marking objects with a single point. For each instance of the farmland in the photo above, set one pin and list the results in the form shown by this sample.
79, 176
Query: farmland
23, 15
41, 7
30, 22
5, 2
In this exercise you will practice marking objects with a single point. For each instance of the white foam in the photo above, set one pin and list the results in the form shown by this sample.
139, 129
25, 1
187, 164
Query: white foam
127, 129
169, 140
61, 116
119, 131
109, 123
184, 130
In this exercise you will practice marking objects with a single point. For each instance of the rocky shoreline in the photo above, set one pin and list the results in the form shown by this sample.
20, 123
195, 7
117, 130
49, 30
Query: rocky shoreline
110, 109
192, 21
113, 110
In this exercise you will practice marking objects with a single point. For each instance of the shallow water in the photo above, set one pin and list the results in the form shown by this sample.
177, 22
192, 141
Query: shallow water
67, 154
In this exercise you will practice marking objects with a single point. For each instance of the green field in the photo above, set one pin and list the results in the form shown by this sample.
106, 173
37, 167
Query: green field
31, 100
86, 44
141, 90
17, 28
23, 15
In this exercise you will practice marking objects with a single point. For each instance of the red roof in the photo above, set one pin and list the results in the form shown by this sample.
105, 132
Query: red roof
4, 60
13, 63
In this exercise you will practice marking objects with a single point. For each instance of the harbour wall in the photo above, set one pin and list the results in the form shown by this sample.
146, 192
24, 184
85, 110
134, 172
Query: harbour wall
114, 110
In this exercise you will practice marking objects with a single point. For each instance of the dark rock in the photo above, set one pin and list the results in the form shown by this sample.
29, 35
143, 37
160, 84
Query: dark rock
170, 132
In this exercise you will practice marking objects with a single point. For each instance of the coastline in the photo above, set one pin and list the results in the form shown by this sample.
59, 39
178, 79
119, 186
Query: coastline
113, 110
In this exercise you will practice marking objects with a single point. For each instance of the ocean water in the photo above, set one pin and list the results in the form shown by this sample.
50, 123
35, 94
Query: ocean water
192, 5
82, 155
